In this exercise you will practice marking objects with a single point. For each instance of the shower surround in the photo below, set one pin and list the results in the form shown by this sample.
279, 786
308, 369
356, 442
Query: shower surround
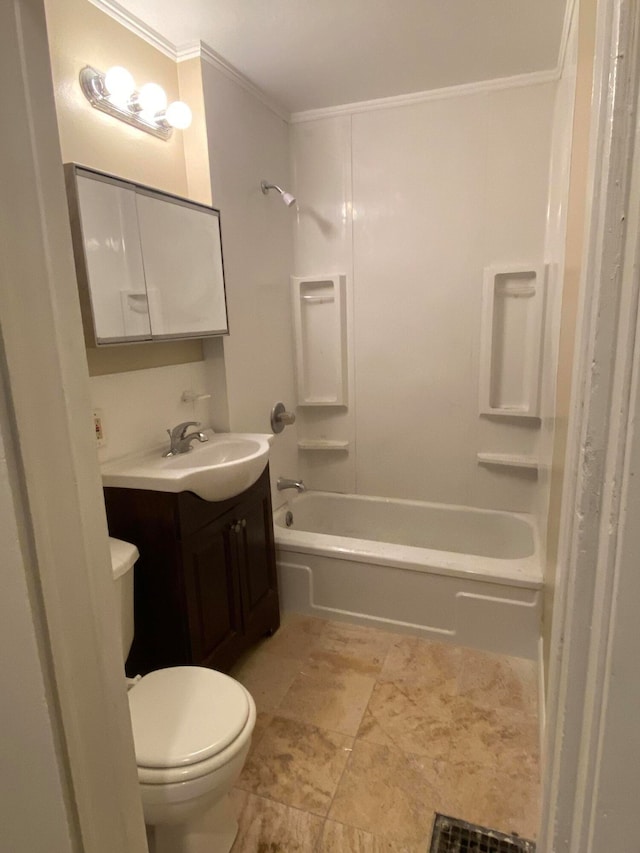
411, 202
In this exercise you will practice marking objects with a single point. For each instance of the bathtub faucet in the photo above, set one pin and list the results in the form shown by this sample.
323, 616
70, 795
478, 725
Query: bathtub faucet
284, 483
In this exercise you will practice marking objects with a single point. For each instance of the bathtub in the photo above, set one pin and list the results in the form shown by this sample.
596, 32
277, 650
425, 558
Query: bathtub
453, 573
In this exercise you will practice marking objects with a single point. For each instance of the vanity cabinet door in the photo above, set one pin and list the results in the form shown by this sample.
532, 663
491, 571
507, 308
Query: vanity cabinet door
205, 581
257, 566
212, 590
108, 221
183, 267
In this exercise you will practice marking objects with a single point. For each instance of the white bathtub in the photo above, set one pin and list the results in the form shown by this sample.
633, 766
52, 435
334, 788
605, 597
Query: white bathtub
467, 575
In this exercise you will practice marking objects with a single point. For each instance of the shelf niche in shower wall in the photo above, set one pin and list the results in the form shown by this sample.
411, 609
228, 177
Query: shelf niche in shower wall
511, 340
319, 321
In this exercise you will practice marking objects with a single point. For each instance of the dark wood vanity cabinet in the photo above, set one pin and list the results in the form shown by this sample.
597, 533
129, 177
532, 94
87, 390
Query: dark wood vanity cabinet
205, 583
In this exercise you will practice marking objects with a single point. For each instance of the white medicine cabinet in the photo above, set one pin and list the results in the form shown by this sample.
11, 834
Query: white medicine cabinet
149, 264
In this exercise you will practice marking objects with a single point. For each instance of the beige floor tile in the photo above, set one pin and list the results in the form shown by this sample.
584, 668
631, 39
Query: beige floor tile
296, 638
424, 662
334, 701
489, 736
372, 732
491, 798
353, 647
518, 811
445, 728
238, 800
339, 838
266, 676
387, 793
274, 828
262, 722
497, 681
410, 717
462, 788
297, 764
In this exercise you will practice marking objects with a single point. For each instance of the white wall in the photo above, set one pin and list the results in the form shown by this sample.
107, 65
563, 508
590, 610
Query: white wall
249, 142
321, 175
138, 407
412, 202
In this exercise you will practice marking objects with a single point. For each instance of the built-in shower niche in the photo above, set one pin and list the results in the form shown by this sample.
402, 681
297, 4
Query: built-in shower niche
511, 338
319, 314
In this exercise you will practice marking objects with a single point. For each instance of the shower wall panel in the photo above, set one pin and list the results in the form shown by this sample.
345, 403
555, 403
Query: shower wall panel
420, 198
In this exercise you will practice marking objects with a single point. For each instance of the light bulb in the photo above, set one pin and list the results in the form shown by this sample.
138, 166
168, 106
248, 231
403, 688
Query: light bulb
119, 83
178, 115
152, 99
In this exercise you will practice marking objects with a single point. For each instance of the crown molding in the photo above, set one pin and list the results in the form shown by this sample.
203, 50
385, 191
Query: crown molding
202, 51
193, 50
536, 78
136, 26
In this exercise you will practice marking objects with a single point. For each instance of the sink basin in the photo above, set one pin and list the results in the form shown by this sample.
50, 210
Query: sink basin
215, 470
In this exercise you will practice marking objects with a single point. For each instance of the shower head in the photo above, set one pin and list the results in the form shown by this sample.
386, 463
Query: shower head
287, 198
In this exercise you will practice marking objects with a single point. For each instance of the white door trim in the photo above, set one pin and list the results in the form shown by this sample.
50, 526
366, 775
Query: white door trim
57, 489
605, 386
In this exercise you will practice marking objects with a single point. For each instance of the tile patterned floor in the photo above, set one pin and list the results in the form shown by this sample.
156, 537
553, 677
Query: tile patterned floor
362, 735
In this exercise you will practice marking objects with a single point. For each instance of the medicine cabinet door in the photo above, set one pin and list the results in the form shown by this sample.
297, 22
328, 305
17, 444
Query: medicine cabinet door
183, 267
113, 257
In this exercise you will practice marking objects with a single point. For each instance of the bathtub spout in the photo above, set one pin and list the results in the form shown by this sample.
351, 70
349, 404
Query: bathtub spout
284, 483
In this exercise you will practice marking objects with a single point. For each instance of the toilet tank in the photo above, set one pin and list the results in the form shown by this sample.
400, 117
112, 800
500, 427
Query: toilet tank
123, 556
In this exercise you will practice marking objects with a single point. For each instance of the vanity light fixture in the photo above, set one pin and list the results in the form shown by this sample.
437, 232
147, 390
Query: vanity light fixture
115, 93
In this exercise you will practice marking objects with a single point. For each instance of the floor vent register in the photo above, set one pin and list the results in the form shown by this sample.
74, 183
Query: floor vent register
456, 836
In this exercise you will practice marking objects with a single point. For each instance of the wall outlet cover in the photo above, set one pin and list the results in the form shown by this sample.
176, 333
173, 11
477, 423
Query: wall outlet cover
98, 423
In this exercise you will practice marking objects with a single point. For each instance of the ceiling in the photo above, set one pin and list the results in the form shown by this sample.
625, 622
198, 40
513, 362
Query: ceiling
309, 54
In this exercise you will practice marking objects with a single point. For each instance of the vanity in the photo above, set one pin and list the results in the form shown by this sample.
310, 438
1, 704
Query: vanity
205, 584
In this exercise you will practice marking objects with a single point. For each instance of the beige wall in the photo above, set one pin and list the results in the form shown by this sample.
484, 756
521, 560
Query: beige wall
79, 35
195, 140
573, 265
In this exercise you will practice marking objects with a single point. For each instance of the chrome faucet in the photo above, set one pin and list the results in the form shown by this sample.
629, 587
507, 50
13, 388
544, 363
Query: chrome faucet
284, 483
181, 440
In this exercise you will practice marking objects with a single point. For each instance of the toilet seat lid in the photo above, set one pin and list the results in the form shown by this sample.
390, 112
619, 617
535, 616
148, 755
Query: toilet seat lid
185, 714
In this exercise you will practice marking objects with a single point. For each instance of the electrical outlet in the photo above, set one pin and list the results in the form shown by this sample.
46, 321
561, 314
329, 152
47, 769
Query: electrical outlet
99, 428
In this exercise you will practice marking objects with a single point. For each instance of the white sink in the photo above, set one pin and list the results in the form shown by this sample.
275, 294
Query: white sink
215, 470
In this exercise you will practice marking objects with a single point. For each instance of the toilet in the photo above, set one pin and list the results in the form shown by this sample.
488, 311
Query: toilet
192, 730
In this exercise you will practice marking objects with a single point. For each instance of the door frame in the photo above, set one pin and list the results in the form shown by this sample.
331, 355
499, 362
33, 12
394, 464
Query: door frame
593, 560
56, 492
